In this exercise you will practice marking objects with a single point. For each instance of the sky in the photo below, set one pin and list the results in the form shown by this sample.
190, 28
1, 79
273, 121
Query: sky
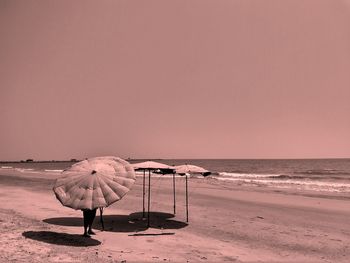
174, 79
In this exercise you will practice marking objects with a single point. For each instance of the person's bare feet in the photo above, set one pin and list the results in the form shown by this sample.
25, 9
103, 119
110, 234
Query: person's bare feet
90, 232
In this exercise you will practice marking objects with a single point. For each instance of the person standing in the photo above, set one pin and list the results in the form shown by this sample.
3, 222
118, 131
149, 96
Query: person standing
89, 216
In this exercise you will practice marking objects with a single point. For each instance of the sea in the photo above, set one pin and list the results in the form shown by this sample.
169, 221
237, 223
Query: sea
330, 175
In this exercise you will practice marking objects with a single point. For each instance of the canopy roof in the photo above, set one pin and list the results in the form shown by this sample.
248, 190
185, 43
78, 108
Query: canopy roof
191, 169
151, 165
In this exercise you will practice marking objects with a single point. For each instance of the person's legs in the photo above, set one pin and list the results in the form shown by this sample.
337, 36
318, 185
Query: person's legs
86, 222
91, 218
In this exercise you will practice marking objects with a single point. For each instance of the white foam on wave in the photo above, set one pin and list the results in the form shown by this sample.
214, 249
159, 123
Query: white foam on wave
298, 184
26, 170
245, 175
53, 170
6, 167
20, 169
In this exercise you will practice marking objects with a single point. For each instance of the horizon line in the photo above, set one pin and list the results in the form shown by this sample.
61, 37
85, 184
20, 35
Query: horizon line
29, 160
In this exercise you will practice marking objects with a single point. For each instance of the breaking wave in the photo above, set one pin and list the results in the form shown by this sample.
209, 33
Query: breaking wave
322, 172
305, 182
6, 167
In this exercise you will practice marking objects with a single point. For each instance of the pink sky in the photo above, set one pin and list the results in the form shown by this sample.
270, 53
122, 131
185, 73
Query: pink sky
175, 79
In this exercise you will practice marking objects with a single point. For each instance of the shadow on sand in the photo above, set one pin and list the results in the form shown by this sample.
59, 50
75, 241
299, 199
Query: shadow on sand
61, 238
123, 223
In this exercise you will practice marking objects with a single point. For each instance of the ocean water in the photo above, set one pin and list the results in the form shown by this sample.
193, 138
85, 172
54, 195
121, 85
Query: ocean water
306, 174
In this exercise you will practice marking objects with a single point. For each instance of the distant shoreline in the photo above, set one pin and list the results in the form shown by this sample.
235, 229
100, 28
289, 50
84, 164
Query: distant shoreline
51, 161
159, 159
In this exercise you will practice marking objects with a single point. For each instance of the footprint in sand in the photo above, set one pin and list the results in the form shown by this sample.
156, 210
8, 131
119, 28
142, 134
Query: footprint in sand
338, 240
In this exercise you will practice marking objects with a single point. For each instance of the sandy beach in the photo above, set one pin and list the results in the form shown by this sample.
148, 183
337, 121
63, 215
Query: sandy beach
228, 223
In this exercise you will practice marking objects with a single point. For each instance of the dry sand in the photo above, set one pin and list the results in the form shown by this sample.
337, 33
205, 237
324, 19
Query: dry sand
228, 223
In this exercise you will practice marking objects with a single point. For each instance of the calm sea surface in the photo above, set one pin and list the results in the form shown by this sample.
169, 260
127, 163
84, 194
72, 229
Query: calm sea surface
310, 174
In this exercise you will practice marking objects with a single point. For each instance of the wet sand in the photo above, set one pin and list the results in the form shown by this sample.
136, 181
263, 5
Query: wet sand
228, 223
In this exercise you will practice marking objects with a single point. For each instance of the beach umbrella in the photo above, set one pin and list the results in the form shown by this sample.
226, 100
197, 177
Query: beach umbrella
152, 166
191, 169
94, 183
188, 169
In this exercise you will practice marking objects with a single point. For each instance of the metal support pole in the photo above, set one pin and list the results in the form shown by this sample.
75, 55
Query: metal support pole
149, 196
186, 199
174, 193
143, 194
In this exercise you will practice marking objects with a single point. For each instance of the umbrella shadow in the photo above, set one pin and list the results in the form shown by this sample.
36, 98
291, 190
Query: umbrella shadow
159, 220
123, 223
64, 239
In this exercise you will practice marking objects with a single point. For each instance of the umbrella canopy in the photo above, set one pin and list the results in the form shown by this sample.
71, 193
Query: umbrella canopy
191, 169
94, 183
150, 165
187, 169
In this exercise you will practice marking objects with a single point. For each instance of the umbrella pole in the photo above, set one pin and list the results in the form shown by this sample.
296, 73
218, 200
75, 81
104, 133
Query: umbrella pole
143, 194
101, 219
186, 199
174, 193
149, 195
